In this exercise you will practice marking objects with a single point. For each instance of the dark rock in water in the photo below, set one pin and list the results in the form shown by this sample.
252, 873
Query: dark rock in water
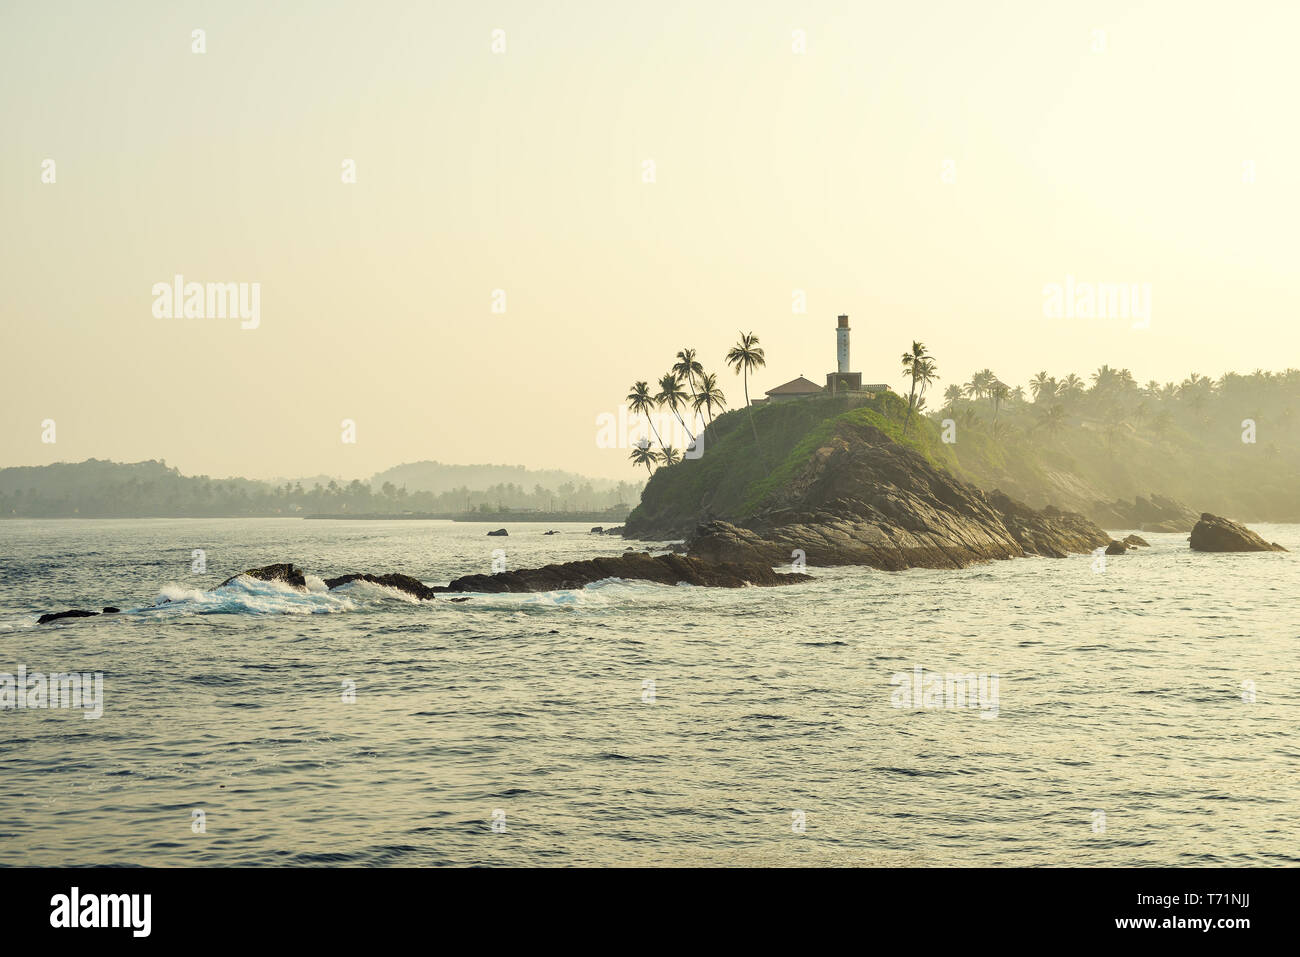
1116, 548
616, 530
110, 610
405, 583
1215, 534
862, 499
598, 530
462, 598
73, 613
1136, 540
551, 532
638, 566
285, 572
499, 531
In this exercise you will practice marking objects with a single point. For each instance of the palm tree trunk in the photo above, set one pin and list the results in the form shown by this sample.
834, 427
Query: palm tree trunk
750, 408
911, 400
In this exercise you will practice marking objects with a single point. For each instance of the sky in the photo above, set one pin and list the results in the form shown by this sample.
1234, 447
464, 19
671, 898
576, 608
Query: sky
927, 168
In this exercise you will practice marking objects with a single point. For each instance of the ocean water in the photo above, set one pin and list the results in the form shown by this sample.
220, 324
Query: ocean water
522, 729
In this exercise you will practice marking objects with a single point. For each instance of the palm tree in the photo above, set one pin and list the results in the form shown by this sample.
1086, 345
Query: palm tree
1042, 386
687, 368
1103, 379
916, 363
951, 396
744, 356
671, 395
980, 383
641, 402
1053, 419
670, 456
1071, 387
709, 396
642, 454
998, 393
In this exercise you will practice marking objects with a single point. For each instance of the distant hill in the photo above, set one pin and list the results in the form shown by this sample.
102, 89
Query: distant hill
438, 477
102, 489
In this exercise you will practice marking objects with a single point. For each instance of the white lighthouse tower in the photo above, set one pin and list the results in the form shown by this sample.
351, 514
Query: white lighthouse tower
842, 344
842, 380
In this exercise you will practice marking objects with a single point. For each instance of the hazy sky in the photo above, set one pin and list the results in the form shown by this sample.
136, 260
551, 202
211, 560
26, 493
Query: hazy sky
1119, 156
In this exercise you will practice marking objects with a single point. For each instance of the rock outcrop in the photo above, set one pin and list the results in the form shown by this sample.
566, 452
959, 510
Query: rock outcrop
499, 531
638, 566
1215, 534
863, 499
1155, 514
285, 572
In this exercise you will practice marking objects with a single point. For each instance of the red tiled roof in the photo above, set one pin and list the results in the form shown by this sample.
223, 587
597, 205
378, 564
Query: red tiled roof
799, 386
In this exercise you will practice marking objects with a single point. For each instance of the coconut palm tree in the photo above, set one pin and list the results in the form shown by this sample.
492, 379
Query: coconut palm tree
1053, 419
744, 356
671, 395
911, 360
979, 384
927, 370
642, 454
998, 393
709, 396
1071, 387
1042, 386
641, 402
687, 368
951, 396
670, 456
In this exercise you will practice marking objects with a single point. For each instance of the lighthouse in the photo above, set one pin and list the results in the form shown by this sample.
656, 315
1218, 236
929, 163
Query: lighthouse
842, 380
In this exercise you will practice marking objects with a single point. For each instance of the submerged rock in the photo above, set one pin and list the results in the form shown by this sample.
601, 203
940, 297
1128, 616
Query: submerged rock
499, 531
636, 566
403, 583
1216, 534
72, 613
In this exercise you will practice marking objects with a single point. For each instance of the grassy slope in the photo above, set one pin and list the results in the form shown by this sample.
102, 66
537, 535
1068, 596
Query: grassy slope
732, 481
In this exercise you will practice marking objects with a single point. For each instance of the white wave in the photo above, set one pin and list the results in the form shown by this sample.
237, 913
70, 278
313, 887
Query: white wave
249, 596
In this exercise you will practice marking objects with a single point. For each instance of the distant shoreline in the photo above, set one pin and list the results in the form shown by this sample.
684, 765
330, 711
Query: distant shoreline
582, 518
495, 518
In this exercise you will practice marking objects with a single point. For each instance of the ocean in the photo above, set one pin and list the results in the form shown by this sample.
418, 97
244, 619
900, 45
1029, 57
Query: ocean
1145, 713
